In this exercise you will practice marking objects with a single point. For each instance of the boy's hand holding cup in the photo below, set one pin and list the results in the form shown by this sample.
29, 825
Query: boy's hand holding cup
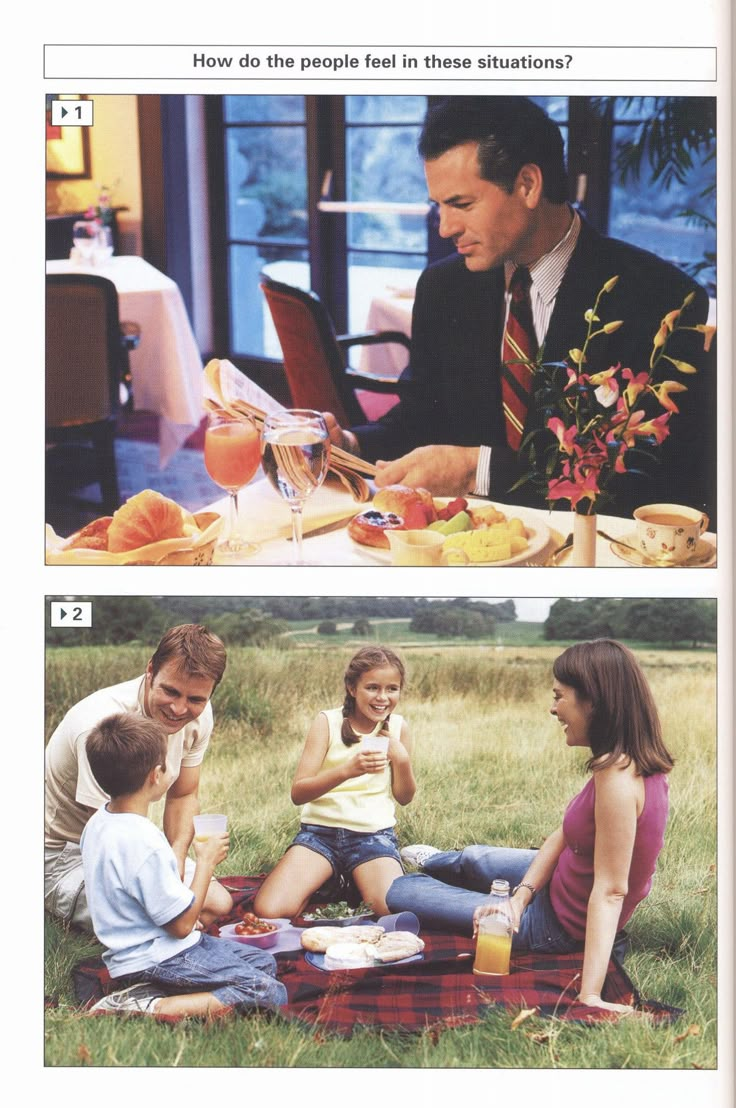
211, 839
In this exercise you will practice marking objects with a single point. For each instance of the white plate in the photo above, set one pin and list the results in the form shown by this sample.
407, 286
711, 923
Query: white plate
318, 960
704, 555
538, 537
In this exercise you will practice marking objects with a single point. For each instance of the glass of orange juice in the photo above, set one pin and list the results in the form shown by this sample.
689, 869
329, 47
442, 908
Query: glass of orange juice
232, 454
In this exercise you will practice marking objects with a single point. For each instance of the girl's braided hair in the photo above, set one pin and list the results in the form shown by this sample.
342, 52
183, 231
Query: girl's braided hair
367, 658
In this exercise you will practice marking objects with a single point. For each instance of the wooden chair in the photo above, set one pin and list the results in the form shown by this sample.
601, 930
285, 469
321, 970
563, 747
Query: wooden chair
315, 357
86, 361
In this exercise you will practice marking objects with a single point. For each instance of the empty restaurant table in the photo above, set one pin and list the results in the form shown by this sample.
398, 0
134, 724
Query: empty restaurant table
166, 368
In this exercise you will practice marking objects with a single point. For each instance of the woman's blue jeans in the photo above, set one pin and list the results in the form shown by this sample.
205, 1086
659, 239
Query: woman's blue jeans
455, 882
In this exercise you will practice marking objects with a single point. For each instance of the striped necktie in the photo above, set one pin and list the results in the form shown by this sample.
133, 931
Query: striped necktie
519, 348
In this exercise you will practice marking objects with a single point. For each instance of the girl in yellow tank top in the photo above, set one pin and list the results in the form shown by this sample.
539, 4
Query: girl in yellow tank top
356, 762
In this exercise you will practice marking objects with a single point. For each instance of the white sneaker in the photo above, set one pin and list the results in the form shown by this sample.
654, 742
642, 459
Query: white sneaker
418, 854
138, 998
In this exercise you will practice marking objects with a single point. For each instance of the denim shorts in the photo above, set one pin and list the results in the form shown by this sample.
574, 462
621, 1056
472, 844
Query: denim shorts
346, 850
234, 973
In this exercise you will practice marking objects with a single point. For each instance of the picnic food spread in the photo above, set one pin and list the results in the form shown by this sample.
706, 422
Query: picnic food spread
360, 946
479, 533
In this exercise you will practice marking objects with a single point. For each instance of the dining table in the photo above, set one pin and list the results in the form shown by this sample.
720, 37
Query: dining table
265, 519
166, 366
389, 310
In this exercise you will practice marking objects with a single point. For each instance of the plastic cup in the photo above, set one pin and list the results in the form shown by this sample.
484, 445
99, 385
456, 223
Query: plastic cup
208, 824
375, 744
400, 921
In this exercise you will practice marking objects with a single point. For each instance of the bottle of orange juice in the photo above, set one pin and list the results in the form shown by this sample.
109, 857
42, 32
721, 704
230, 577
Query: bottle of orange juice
495, 930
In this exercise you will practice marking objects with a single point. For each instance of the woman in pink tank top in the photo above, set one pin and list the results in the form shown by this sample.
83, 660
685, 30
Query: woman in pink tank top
584, 882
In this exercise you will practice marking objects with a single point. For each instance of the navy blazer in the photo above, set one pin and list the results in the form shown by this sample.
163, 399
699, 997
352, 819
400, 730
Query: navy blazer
455, 368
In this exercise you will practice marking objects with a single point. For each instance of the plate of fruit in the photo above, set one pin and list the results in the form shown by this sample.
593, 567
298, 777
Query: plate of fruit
476, 532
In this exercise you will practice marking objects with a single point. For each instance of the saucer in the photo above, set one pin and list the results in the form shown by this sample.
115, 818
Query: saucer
704, 555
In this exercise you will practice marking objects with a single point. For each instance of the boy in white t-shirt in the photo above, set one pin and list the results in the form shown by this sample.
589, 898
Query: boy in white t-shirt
142, 912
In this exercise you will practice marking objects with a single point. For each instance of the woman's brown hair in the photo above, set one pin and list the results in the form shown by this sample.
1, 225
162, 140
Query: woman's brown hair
367, 658
624, 719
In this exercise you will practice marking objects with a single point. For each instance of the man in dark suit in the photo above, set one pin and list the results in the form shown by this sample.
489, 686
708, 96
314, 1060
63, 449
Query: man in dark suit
495, 169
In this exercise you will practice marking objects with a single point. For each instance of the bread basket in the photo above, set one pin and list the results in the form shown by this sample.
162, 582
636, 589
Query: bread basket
191, 550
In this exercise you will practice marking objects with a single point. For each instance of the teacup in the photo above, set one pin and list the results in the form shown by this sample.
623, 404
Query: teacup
416, 548
669, 532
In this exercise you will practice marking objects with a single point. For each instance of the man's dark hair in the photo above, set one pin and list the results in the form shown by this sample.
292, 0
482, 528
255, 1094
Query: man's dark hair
511, 131
123, 749
194, 650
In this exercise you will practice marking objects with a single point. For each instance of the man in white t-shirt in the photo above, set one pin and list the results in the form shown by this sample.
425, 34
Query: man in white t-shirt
175, 690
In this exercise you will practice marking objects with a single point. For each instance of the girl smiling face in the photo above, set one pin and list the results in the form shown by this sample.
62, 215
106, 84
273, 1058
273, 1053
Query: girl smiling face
572, 713
376, 694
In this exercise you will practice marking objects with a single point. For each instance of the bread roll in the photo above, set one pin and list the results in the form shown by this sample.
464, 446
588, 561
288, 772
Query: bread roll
317, 939
395, 945
145, 518
399, 498
91, 537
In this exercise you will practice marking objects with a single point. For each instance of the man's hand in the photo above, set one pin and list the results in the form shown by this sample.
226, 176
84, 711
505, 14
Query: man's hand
345, 440
443, 470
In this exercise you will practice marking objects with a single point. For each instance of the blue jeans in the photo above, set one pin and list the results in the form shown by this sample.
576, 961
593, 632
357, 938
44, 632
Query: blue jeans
346, 850
455, 882
236, 974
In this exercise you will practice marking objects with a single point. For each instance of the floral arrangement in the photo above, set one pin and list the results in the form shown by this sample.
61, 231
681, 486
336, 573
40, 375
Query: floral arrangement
102, 212
600, 424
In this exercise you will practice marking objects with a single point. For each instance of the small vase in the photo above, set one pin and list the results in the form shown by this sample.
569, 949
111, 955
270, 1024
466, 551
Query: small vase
583, 540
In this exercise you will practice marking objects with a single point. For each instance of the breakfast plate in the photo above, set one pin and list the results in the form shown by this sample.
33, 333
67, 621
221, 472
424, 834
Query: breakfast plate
318, 961
537, 538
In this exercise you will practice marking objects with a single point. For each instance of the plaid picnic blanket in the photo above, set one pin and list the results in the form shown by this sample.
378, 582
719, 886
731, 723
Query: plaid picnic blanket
436, 993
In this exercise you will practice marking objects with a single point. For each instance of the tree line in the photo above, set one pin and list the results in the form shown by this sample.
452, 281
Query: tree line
657, 620
258, 621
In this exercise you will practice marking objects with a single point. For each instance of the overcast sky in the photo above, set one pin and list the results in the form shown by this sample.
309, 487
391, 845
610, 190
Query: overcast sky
531, 609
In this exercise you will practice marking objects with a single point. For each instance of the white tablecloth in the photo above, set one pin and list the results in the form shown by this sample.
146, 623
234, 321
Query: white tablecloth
388, 312
166, 367
266, 518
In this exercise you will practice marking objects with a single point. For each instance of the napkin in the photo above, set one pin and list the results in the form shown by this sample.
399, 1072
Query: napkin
226, 389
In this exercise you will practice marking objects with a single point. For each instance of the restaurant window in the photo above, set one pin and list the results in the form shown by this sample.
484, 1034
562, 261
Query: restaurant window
277, 155
663, 191
280, 157
382, 164
265, 155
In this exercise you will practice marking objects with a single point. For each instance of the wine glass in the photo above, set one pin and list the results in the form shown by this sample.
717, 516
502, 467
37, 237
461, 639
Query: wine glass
84, 236
104, 246
232, 454
296, 453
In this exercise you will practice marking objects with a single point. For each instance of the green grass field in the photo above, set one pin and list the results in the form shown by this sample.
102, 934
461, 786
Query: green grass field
492, 767
397, 632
